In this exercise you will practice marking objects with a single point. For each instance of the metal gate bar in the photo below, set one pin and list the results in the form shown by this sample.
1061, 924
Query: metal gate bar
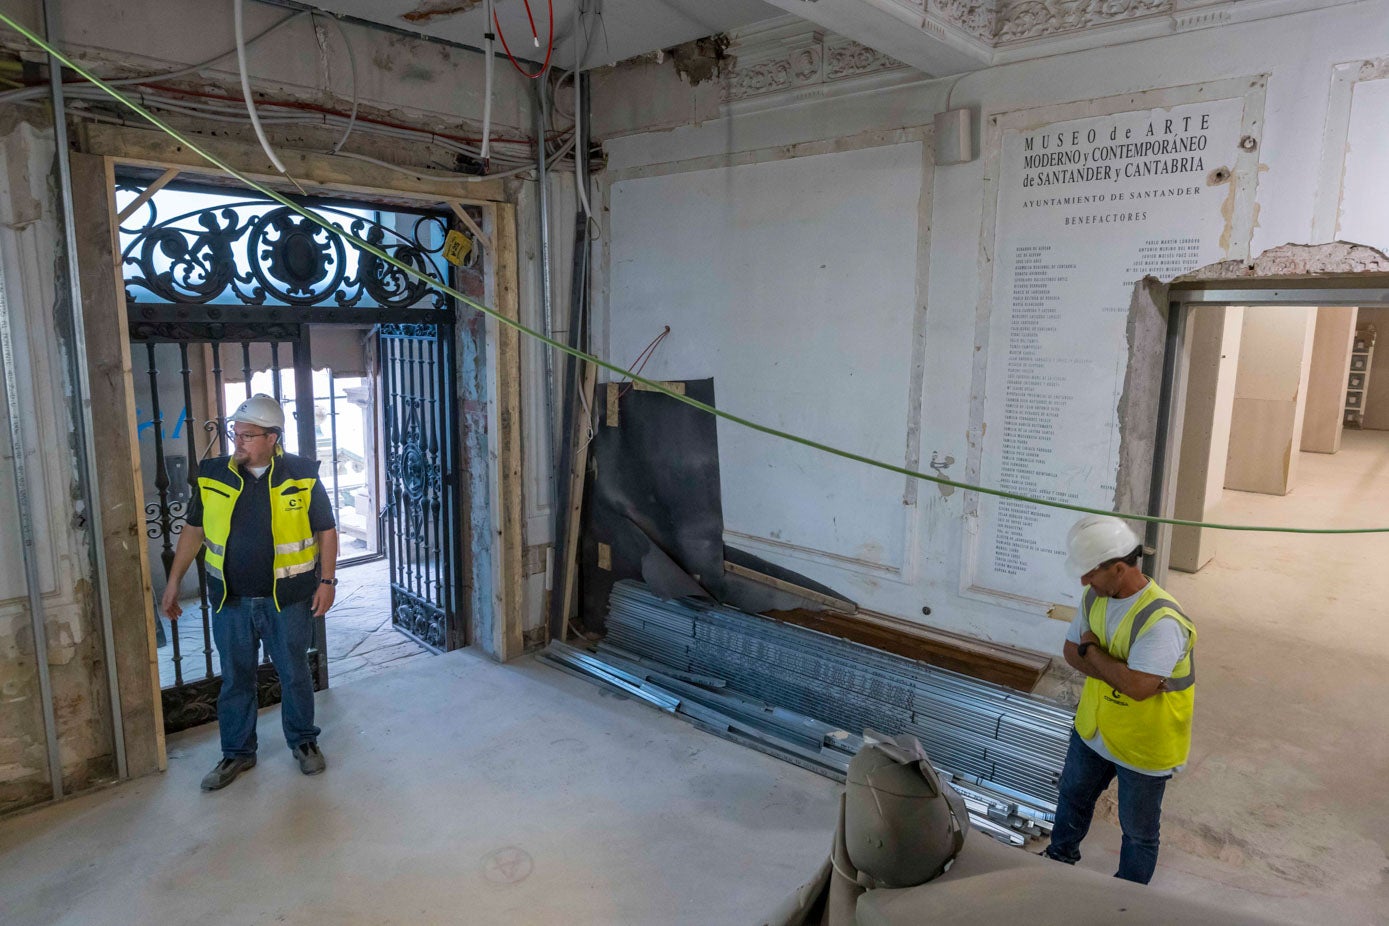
421, 481
162, 515
192, 443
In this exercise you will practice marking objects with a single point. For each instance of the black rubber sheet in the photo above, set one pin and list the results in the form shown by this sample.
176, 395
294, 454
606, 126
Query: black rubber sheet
653, 509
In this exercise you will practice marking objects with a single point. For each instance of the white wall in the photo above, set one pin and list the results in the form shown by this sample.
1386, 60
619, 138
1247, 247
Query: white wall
1290, 137
1270, 399
821, 345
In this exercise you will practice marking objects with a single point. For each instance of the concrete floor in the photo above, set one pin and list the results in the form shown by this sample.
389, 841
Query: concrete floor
457, 791
1286, 787
463, 791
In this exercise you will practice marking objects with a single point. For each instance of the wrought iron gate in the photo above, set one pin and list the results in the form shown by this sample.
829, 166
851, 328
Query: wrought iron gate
191, 699
422, 484
240, 278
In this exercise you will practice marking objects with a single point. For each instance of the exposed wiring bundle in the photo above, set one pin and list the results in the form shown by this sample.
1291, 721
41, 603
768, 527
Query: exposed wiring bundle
509, 154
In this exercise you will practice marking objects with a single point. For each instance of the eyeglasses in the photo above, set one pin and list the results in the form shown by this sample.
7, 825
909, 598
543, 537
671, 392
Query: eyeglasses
242, 437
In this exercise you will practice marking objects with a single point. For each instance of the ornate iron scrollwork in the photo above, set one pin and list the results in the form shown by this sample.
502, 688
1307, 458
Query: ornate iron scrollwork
189, 705
294, 260
424, 623
211, 331
245, 252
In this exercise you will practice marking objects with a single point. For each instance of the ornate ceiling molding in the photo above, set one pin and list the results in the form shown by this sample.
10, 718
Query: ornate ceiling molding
1019, 20
779, 60
978, 18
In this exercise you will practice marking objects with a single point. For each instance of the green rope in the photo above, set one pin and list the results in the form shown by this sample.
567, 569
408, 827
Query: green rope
653, 385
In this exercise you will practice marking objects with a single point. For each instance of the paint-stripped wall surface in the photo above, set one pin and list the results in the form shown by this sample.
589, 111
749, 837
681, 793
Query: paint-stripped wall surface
30, 258
1286, 73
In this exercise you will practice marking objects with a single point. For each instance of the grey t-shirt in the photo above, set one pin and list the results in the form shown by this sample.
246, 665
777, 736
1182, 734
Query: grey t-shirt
1156, 653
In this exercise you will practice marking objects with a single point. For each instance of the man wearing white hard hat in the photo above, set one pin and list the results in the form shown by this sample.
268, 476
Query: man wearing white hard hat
272, 551
1135, 648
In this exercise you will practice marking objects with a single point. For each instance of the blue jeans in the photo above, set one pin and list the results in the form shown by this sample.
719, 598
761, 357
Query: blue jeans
1083, 779
238, 629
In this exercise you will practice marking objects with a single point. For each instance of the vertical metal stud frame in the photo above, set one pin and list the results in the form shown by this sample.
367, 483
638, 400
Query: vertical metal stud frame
23, 497
81, 378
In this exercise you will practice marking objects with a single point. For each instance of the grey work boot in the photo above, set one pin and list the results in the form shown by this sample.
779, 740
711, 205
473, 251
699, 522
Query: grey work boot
311, 761
225, 772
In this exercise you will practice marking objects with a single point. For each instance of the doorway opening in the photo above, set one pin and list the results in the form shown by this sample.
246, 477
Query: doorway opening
229, 294
1272, 421
1286, 417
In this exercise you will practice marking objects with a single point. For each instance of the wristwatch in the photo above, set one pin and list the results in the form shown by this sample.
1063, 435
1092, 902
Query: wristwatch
1082, 647
327, 581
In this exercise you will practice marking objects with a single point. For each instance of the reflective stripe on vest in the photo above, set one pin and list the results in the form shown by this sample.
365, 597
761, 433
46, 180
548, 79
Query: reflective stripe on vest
294, 543
1154, 733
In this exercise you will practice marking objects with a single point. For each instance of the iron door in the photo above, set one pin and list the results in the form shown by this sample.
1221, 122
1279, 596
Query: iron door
423, 504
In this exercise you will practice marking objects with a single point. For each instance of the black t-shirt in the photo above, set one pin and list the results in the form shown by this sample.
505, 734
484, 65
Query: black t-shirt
249, 565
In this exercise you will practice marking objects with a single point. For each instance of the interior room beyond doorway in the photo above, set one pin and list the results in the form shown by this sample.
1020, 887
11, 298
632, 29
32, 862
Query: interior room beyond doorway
1285, 424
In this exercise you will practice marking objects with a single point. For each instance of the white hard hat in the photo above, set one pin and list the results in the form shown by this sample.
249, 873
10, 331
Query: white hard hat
260, 409
1095, 539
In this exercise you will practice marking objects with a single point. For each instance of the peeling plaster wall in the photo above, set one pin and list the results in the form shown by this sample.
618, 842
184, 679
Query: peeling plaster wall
31, 255
652, 122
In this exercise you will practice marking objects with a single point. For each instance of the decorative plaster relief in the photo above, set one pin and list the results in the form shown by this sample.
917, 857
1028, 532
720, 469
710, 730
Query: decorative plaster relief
848, 59
794, 70
977, 17
807, 60
1032, 19
1291, 260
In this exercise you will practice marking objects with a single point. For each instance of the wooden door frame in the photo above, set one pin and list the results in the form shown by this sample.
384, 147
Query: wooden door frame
104, 149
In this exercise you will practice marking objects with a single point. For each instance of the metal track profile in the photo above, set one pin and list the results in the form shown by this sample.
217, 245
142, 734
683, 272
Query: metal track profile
986, 732
819, 747
814, 700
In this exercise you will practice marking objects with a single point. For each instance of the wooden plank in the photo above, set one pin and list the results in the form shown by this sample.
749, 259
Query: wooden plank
1003, 665
468, 223
676, 387
569, 569
614, 392
510, 641
114, 438
147, 194
829, 601
317, 172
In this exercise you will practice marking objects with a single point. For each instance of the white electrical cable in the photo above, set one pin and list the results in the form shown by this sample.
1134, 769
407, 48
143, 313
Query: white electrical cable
246, 88
233, 113
487, 85
579, 108
352, 63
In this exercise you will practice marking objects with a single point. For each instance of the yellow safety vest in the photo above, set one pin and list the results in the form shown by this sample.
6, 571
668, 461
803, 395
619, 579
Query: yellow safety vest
296, 549
1151, 734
